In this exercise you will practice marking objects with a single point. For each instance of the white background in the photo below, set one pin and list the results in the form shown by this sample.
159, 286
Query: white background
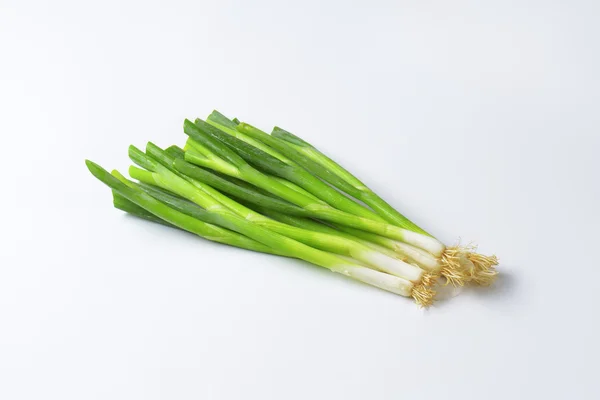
479, 119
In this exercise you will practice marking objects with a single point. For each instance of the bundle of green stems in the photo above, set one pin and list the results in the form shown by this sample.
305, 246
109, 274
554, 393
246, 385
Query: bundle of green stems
275, 193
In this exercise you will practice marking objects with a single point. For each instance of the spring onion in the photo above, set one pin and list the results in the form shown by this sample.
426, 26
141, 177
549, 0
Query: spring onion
277, 194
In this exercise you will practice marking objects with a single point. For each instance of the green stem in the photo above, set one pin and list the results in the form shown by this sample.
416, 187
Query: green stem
325, 168
123, 204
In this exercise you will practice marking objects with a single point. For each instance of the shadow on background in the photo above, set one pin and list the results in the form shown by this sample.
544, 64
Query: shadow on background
505, 287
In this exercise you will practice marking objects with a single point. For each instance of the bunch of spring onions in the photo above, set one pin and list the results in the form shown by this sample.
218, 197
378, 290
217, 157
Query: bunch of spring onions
275, 193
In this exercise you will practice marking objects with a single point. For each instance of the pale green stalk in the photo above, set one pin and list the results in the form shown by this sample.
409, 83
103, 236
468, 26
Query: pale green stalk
317, 163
